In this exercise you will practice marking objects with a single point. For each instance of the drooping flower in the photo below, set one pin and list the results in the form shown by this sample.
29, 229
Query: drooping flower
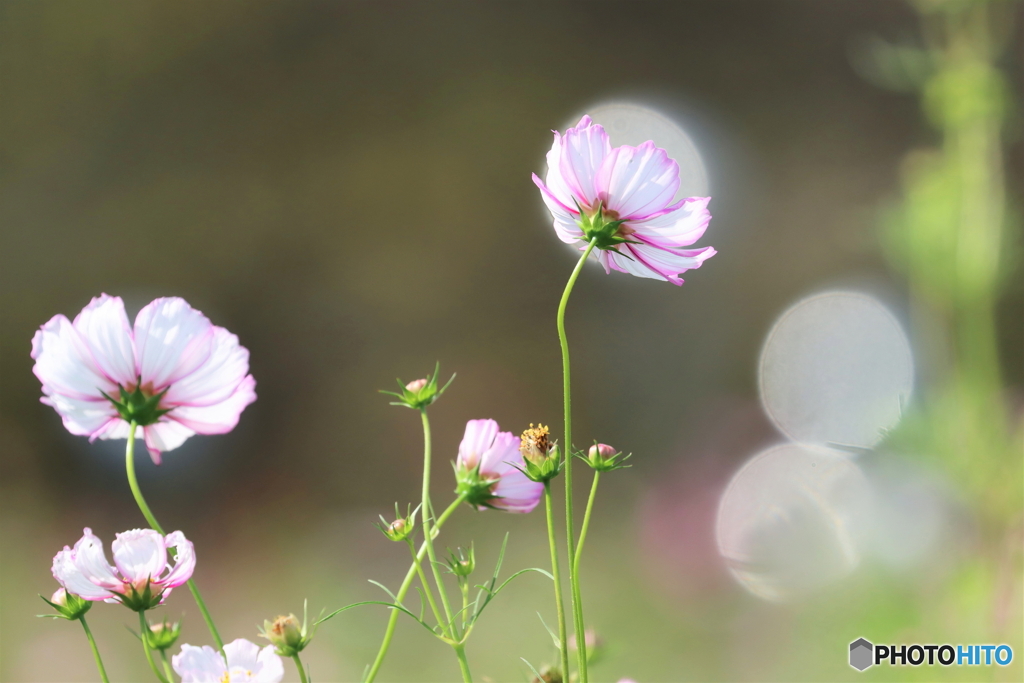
622, 198
489, 470
142, 577
246, 662
175, 374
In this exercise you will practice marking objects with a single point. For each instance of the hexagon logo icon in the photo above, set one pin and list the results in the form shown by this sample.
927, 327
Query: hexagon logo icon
861, 654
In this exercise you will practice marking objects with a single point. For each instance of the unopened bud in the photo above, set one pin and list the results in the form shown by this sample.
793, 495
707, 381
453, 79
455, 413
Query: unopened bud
286, 633
163, 635
68, 605
462, 564
416, 384
601, 451
605, 458
419, 393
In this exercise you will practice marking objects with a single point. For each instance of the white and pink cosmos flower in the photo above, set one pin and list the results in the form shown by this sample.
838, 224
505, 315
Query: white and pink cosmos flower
246, 662
623, 198
142, 577
489, 470
175, 373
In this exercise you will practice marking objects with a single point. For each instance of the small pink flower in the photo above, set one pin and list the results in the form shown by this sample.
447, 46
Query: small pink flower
623, 196
489, 467
142, 578
176, 374
245, 662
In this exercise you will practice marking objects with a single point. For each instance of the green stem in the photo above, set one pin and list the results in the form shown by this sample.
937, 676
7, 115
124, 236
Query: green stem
298, 665
464, 587
426, 586
403, 589
145, 646
577, 608
586, 518
133, 482
448, 627
167, 665
563, 645
460, 652
95, 650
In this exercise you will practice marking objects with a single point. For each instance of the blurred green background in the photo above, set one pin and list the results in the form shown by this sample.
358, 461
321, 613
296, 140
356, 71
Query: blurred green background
346, 186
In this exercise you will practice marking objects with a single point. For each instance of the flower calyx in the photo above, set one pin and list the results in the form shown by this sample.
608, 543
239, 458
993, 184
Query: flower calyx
401, 528
603, 227
138, 406
419, 393
141, 600
162, 635
541, 456
473, 486
68, 605
288, 636
604, 458
460, 563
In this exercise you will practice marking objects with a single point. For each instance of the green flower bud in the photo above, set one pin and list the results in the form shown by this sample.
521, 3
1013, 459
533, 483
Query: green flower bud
162, 635
461, 564
400, 529
68, 605
419, 393
287, 634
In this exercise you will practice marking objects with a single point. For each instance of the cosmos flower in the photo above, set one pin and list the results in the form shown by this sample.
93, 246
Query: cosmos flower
245, 662
622, 198
175, 374
489, 470
142, 578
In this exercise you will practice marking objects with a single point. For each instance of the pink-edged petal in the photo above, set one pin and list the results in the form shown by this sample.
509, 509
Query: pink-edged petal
658, 264
117, 429
503, 449
678, 228
636, 182
172, 340
216, 379
140, 555
517, 493
69, 576
165, 435
82, 417
270, 666
220, 418
581, 153
91, 562
477, 439
566, 227
185, 563
104, 326
199, 664
64, 362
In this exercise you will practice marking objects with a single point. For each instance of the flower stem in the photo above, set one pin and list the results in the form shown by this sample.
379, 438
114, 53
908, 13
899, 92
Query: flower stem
460, 652
133, 482
145, 646
403, 589
563, 645
167, 666
449, 629
298, 665
426, 586
577, 607
95, 650
586, 518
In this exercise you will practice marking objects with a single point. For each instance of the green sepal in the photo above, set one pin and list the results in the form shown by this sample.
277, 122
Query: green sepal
418, 399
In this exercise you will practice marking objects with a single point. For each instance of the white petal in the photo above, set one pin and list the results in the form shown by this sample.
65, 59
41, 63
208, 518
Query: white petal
216, 379
637, 182
165, 435
271, 668
140, 555
104, 325
69, 576
582, 151
504, 449
242, 653
90, 561
679, 228
83, 417
172, 340
477, 439
220, 418
185, 560
199, 664
64, 363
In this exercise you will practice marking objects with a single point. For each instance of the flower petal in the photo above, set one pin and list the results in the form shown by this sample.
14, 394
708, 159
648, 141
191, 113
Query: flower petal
199, 664
220, 418
636, 182
574, 162
658, 264
216, 379
243, 654
503, 449
140, 555
517, 493
82, 417
165, 435
477, 439
184, 563
64, 362
681, 227
172, 340
104, 325
271, 668
73, 580
90, 561
566, 227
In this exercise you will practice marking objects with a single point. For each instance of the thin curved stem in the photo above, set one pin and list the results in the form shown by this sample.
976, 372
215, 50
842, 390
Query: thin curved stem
426, 586
145, 646
448, 627
577, 607
95, 650
563, 646
403, 590
167, 666
133, 482
298, 665
586, 518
